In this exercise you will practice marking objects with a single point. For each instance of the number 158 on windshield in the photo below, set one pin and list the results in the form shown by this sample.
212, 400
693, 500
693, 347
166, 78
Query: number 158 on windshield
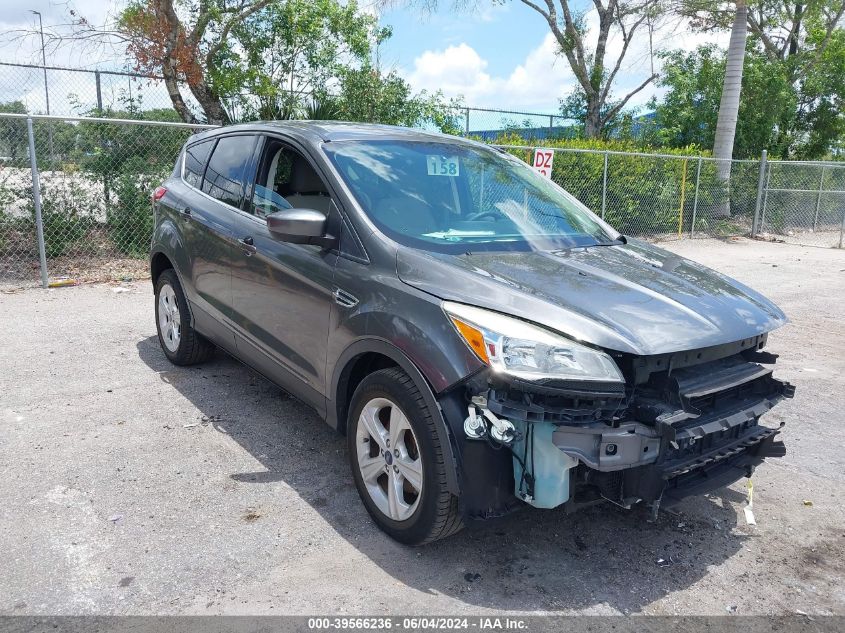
443, 165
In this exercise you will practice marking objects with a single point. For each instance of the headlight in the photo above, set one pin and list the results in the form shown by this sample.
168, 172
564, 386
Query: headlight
527, 351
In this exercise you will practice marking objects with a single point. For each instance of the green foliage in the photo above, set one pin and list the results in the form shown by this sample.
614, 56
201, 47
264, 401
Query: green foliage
286, 53
325, 109
67, 214
643, 191
130, 161
690, 108
793, 85
368, 96
130, 220
574, 108
13, 137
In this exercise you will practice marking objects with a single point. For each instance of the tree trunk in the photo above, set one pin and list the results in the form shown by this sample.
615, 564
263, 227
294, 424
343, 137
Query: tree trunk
215, 113
592, 119
729, 105
172, 85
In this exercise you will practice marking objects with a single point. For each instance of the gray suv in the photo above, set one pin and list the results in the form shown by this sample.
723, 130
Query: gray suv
482, 339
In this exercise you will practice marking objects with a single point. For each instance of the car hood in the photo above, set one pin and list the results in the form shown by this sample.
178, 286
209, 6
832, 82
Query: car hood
633, 298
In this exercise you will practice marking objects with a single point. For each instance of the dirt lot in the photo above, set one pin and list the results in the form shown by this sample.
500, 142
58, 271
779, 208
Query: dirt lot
130, 486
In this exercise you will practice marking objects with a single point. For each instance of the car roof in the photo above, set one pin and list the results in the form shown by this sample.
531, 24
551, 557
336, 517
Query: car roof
327, 131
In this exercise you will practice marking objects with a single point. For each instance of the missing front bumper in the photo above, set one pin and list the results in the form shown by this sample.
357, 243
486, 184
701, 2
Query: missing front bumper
671, 481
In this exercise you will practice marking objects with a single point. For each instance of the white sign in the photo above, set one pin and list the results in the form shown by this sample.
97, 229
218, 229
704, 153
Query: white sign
543, 159
443, 165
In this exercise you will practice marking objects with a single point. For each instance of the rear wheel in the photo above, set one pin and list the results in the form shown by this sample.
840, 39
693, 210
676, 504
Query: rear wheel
179, 341
397, 460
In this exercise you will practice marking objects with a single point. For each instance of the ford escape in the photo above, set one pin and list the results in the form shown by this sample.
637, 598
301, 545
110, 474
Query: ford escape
482, 339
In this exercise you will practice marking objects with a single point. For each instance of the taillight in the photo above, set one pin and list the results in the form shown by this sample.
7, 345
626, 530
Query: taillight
158, 194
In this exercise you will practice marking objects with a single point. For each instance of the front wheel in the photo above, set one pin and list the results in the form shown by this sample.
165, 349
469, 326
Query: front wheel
180, 342
397, 460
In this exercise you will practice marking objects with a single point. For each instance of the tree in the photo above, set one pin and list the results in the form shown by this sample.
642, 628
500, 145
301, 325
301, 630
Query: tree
369, 96
13, 131
237, 58
184, 48
283, 55
575, 107
587, 53
594, 72
688, 111
795, 35
723, 143
790, 104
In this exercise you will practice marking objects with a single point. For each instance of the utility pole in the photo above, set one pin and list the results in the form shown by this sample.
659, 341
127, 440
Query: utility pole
46, 88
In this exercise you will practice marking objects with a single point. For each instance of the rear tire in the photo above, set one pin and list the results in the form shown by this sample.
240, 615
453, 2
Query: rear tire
180, 342
397, 460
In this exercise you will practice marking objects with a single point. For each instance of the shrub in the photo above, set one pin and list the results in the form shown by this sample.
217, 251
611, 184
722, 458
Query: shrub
643, 194
130, 217
67, 214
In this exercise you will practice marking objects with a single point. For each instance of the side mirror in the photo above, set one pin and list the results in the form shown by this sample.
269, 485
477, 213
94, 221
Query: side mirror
300, 226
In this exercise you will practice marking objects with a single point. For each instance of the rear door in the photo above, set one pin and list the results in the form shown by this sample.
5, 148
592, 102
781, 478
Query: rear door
283, 292
208, 217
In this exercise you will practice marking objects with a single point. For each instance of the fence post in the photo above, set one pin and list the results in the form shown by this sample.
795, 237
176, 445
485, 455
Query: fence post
551, 126
819, 200
683, 199
842, 228
99, 92
604, 187
695, 199
36, 199
466, 124
761, 178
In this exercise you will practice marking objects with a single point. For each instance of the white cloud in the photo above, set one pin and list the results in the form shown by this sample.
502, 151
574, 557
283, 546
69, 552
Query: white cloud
544, 76
460, 70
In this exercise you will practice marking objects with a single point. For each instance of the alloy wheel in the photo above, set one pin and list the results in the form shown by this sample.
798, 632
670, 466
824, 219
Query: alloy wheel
169, 319
389, 459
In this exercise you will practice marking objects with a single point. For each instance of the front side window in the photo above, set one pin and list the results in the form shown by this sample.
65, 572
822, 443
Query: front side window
286, 179
196, 156
451, 197
225, 176
273, 174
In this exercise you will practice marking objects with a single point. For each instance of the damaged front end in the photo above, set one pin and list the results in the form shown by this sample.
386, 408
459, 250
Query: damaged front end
681, 424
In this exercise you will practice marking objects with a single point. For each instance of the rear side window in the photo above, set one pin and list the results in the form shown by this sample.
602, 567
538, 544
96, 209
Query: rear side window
196, 156
226, 174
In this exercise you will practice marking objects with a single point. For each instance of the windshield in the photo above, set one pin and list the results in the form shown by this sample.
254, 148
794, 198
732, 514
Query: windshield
454, 198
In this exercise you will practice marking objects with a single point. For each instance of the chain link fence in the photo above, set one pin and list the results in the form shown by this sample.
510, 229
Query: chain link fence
804, 203
91, 195
658, 196
95, 176
78, 92
74, 91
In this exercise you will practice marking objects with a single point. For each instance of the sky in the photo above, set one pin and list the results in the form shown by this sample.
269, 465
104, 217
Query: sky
500, 55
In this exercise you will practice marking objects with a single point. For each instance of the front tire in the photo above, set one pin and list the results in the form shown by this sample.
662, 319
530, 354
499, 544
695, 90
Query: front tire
397, 460
180, 342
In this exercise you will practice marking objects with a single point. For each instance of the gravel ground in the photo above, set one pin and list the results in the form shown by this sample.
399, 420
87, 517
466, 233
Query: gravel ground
130, 486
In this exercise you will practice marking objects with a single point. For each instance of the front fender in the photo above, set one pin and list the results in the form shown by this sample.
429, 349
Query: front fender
338, 407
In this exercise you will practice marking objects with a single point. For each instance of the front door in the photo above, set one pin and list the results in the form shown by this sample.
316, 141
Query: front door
282, 292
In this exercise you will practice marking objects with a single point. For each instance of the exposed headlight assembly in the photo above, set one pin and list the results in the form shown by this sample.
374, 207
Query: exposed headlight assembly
527, 351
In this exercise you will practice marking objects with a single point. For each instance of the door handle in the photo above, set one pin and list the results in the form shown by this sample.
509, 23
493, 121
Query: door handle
247, 245
186, 213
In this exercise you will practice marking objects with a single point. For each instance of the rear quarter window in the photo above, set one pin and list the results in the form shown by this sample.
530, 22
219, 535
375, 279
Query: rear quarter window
225, 176
196, 156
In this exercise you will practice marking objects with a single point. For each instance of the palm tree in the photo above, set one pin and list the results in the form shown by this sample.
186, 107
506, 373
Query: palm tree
723, 144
